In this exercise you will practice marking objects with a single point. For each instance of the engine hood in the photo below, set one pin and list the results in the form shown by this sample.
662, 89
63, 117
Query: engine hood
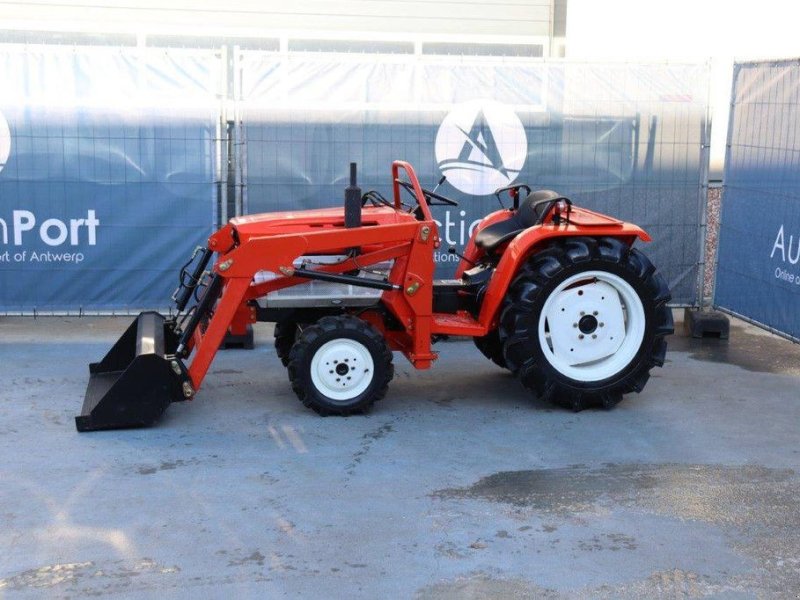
298, 221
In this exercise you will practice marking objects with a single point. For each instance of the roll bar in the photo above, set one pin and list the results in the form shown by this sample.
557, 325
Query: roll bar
412, 176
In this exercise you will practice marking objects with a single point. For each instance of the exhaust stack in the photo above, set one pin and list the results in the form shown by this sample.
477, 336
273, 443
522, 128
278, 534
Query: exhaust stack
352, 200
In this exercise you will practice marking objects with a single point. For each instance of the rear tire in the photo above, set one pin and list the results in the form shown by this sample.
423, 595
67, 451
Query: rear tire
584, 321
340, 365
492, 348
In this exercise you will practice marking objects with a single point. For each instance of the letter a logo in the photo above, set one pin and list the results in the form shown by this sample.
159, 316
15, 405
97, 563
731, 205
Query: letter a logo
481, 146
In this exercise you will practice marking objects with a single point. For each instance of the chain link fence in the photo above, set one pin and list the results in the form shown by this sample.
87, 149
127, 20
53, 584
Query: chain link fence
630, 140
758, 264
107, 174
117, 161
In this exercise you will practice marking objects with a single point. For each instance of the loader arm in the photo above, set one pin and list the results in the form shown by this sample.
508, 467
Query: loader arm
160, 360
409, 243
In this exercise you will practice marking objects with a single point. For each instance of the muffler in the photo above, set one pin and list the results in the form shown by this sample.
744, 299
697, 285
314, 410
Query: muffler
138, 378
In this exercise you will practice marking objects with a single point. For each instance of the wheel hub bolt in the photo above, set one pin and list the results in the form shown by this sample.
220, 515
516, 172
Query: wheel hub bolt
580, 337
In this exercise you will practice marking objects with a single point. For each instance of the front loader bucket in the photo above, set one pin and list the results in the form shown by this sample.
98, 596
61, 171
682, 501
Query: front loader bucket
136, 380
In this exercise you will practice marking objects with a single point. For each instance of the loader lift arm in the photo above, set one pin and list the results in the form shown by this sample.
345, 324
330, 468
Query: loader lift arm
170, 358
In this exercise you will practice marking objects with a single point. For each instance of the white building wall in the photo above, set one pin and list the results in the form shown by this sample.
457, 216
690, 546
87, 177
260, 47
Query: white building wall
516, 18
679, 30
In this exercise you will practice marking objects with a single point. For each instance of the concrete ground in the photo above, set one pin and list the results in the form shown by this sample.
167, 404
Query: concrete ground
458, 484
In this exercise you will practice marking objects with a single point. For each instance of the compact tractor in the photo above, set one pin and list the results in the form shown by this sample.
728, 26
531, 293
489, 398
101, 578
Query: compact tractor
552, 292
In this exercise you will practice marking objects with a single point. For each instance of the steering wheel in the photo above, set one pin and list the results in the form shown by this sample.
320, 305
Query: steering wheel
428, 195
379, 199
376, 198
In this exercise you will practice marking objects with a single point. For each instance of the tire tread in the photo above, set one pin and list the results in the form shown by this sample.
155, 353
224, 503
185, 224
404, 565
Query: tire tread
517, 332
299, 356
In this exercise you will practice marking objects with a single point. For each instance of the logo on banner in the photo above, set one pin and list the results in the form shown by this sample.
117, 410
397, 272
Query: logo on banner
5, 141
787, 252
24, 228
481, 146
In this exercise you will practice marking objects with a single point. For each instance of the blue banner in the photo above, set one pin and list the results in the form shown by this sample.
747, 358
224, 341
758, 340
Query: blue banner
98, 205
626, 140
758, 270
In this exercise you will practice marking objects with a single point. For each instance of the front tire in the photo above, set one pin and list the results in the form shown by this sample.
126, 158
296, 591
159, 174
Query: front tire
584, 321
340, 365
285, 336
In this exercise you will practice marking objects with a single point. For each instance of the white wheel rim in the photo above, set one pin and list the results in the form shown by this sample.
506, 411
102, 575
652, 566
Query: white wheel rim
591, 326
342, 369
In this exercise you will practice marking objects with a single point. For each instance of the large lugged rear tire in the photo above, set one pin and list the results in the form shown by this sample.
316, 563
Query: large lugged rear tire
584, 321
492, 348
340, 365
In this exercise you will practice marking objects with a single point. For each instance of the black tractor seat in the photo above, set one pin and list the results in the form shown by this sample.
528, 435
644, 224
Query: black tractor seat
530, 213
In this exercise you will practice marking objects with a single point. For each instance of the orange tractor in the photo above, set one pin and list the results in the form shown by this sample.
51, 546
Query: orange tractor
553, 292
